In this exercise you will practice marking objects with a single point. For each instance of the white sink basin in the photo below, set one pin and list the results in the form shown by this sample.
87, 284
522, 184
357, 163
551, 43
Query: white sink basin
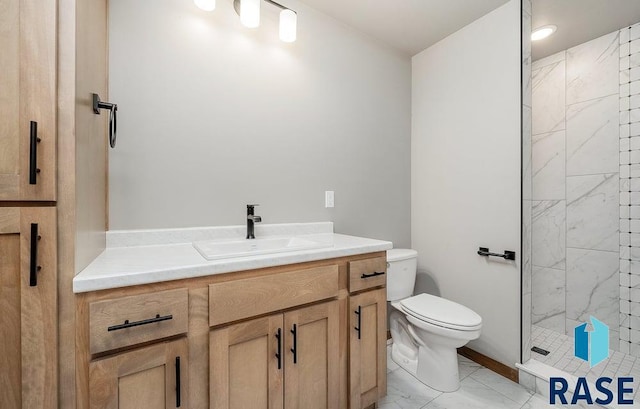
215, 249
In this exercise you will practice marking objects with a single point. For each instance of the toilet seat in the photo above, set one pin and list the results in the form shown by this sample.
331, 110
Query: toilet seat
441, 312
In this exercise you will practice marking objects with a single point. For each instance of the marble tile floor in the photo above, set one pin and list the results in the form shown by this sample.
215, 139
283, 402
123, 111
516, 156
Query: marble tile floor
561, 357
480, 389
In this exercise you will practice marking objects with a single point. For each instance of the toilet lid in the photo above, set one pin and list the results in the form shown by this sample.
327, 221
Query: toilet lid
442, 312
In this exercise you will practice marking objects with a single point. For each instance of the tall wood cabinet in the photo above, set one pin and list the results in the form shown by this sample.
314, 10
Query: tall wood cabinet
51, 177
28, 228
28, 323
28, 102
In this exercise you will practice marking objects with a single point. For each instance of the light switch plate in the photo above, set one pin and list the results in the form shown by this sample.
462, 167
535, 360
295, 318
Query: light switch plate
329, 198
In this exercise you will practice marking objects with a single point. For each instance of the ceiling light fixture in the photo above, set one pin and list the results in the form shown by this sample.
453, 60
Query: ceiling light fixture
543, 32
288, 17
250, 13
206, 5
288, 25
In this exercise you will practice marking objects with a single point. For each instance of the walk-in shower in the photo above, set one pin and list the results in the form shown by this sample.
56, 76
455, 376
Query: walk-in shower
581, 190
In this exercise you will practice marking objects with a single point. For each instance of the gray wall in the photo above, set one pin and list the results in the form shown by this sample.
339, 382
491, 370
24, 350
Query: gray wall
465, 173
213, 115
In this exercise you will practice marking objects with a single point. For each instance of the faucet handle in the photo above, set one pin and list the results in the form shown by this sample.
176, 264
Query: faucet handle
252, 205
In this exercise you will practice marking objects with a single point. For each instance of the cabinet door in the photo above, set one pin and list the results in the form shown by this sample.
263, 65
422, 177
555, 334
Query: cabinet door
246, 365
312, 357
28, 322
367, 340
154, 377
28, 99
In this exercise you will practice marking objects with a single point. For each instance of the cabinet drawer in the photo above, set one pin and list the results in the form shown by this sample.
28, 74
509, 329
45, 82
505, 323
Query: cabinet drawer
250, 297
368, 273
125, 321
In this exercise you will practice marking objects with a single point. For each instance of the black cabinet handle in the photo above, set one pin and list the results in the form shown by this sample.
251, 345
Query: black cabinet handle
508, 255
358, 312
128, 324
279, 353
33, 262
294, 331
33, 152
178, 386
374, 274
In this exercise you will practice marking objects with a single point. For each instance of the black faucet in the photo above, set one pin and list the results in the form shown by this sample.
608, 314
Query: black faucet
251, 219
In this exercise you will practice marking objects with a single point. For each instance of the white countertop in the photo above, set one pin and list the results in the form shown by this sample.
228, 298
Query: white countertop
130, 260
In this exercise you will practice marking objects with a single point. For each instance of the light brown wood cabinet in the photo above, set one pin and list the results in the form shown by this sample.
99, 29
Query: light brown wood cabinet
28, 235
274, 338
253, 363
368, 331
245, 371
367, 348
127, 321
311, 373
28, 322
153, 377
52, 171
28, 102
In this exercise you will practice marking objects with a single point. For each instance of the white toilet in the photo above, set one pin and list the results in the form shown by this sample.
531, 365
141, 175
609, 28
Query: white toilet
426, 330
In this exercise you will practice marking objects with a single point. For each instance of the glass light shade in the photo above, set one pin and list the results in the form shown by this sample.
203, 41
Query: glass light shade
543, 32
288, 24
250, 13
206, 5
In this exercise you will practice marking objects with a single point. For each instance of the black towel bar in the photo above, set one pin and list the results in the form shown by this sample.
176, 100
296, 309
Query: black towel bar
508, 255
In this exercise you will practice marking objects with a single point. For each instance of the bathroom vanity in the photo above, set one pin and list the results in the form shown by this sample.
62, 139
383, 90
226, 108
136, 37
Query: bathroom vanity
160, 326
86, 322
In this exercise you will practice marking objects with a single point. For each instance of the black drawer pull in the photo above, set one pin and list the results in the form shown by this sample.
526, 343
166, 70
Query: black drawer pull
294, 331
279, 353
33, 262
128, 324
33, 152
178, 386
374, 274
358, 312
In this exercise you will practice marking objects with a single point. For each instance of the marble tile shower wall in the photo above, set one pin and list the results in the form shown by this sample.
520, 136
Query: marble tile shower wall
630, 190
574, 200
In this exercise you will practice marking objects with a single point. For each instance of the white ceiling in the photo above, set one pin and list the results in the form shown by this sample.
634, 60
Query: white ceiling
408, 25
579, 21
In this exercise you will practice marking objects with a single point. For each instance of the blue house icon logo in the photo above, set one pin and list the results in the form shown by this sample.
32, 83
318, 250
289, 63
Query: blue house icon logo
592, 345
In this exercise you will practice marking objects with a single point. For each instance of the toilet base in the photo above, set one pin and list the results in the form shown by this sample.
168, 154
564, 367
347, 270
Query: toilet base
435, 367
438, 367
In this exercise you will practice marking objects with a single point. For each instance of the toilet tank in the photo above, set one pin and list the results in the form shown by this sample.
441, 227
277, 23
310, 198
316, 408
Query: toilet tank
401, 273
